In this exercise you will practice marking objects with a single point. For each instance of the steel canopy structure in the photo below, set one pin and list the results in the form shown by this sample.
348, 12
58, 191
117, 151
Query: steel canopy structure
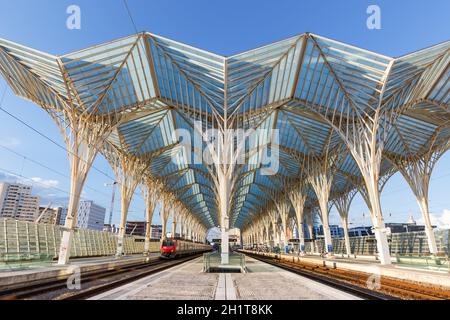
346, 120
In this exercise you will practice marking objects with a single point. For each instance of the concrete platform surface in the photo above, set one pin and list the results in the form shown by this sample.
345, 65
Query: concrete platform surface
188, 282
17, 278
183, 282
429, 277
264, 281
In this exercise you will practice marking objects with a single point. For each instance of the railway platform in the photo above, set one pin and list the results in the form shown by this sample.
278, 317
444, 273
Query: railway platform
371, 266
266, 277
189, 282
34, 275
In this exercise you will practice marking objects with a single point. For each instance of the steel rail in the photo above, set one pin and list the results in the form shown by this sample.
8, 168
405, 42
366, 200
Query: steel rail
95, 282
340, 285
390, 288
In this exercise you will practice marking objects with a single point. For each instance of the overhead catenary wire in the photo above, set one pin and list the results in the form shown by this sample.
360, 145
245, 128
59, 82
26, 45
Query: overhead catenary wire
44, 185
130, 15
46, 137
48, 168
43, 135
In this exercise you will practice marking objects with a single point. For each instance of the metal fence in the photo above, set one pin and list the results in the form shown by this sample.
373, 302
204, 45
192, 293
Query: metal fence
29, 237
411, 243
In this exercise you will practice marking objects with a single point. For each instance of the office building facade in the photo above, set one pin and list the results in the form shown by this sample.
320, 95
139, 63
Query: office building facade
90, 216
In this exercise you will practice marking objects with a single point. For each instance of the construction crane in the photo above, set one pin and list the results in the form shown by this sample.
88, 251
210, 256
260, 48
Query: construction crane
43, 212
111, 210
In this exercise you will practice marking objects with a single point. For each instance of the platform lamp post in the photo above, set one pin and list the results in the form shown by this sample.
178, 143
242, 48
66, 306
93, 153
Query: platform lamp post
114, 185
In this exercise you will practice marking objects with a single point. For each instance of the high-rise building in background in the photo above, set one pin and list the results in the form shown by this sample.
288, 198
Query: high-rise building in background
62, 216
17, 202
156, 232
136, 228
90, 216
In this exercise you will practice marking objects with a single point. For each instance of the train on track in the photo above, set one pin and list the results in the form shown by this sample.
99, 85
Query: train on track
173, 248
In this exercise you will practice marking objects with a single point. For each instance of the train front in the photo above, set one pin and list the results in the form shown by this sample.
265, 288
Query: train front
168, 248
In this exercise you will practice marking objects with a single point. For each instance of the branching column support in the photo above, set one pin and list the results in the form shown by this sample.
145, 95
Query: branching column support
266, 223
189, 227
224, 187
196, 230
182, 222
309, 219
274, 221
252, 234
255, 234
261, 232
342, 204
185, 227
174, 222
181, 218
164, 213
298, 198
365, 194
83, 140
321, 181
372, 198
364, 128
193, 231
417, 173
128, 172
283, 205
150, 195
292, 227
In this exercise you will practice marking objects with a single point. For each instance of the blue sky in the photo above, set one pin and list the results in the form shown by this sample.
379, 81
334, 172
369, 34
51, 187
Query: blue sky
223, 27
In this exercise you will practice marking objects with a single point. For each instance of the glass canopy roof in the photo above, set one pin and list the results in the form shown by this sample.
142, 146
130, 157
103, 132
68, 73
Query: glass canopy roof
295, 86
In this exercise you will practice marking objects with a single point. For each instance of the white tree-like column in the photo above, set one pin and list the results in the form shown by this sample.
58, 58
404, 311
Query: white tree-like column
274, 222
128, 172
309, 219
150, 194
417, 172
342, 204
283, 205
321, 179
164, 212
298, 196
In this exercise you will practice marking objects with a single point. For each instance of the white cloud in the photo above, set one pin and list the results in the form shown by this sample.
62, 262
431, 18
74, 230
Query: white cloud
41, 187
7, 177
10, 142
44, 183
441, 221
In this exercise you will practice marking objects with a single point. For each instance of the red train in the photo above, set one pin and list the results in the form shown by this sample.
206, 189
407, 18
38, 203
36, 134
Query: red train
172, 248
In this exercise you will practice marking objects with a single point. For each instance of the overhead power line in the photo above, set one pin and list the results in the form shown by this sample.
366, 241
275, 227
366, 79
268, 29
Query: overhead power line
130, 16
43, 135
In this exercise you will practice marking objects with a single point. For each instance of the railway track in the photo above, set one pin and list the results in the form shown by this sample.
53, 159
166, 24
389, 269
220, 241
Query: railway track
92, 283
356, 282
